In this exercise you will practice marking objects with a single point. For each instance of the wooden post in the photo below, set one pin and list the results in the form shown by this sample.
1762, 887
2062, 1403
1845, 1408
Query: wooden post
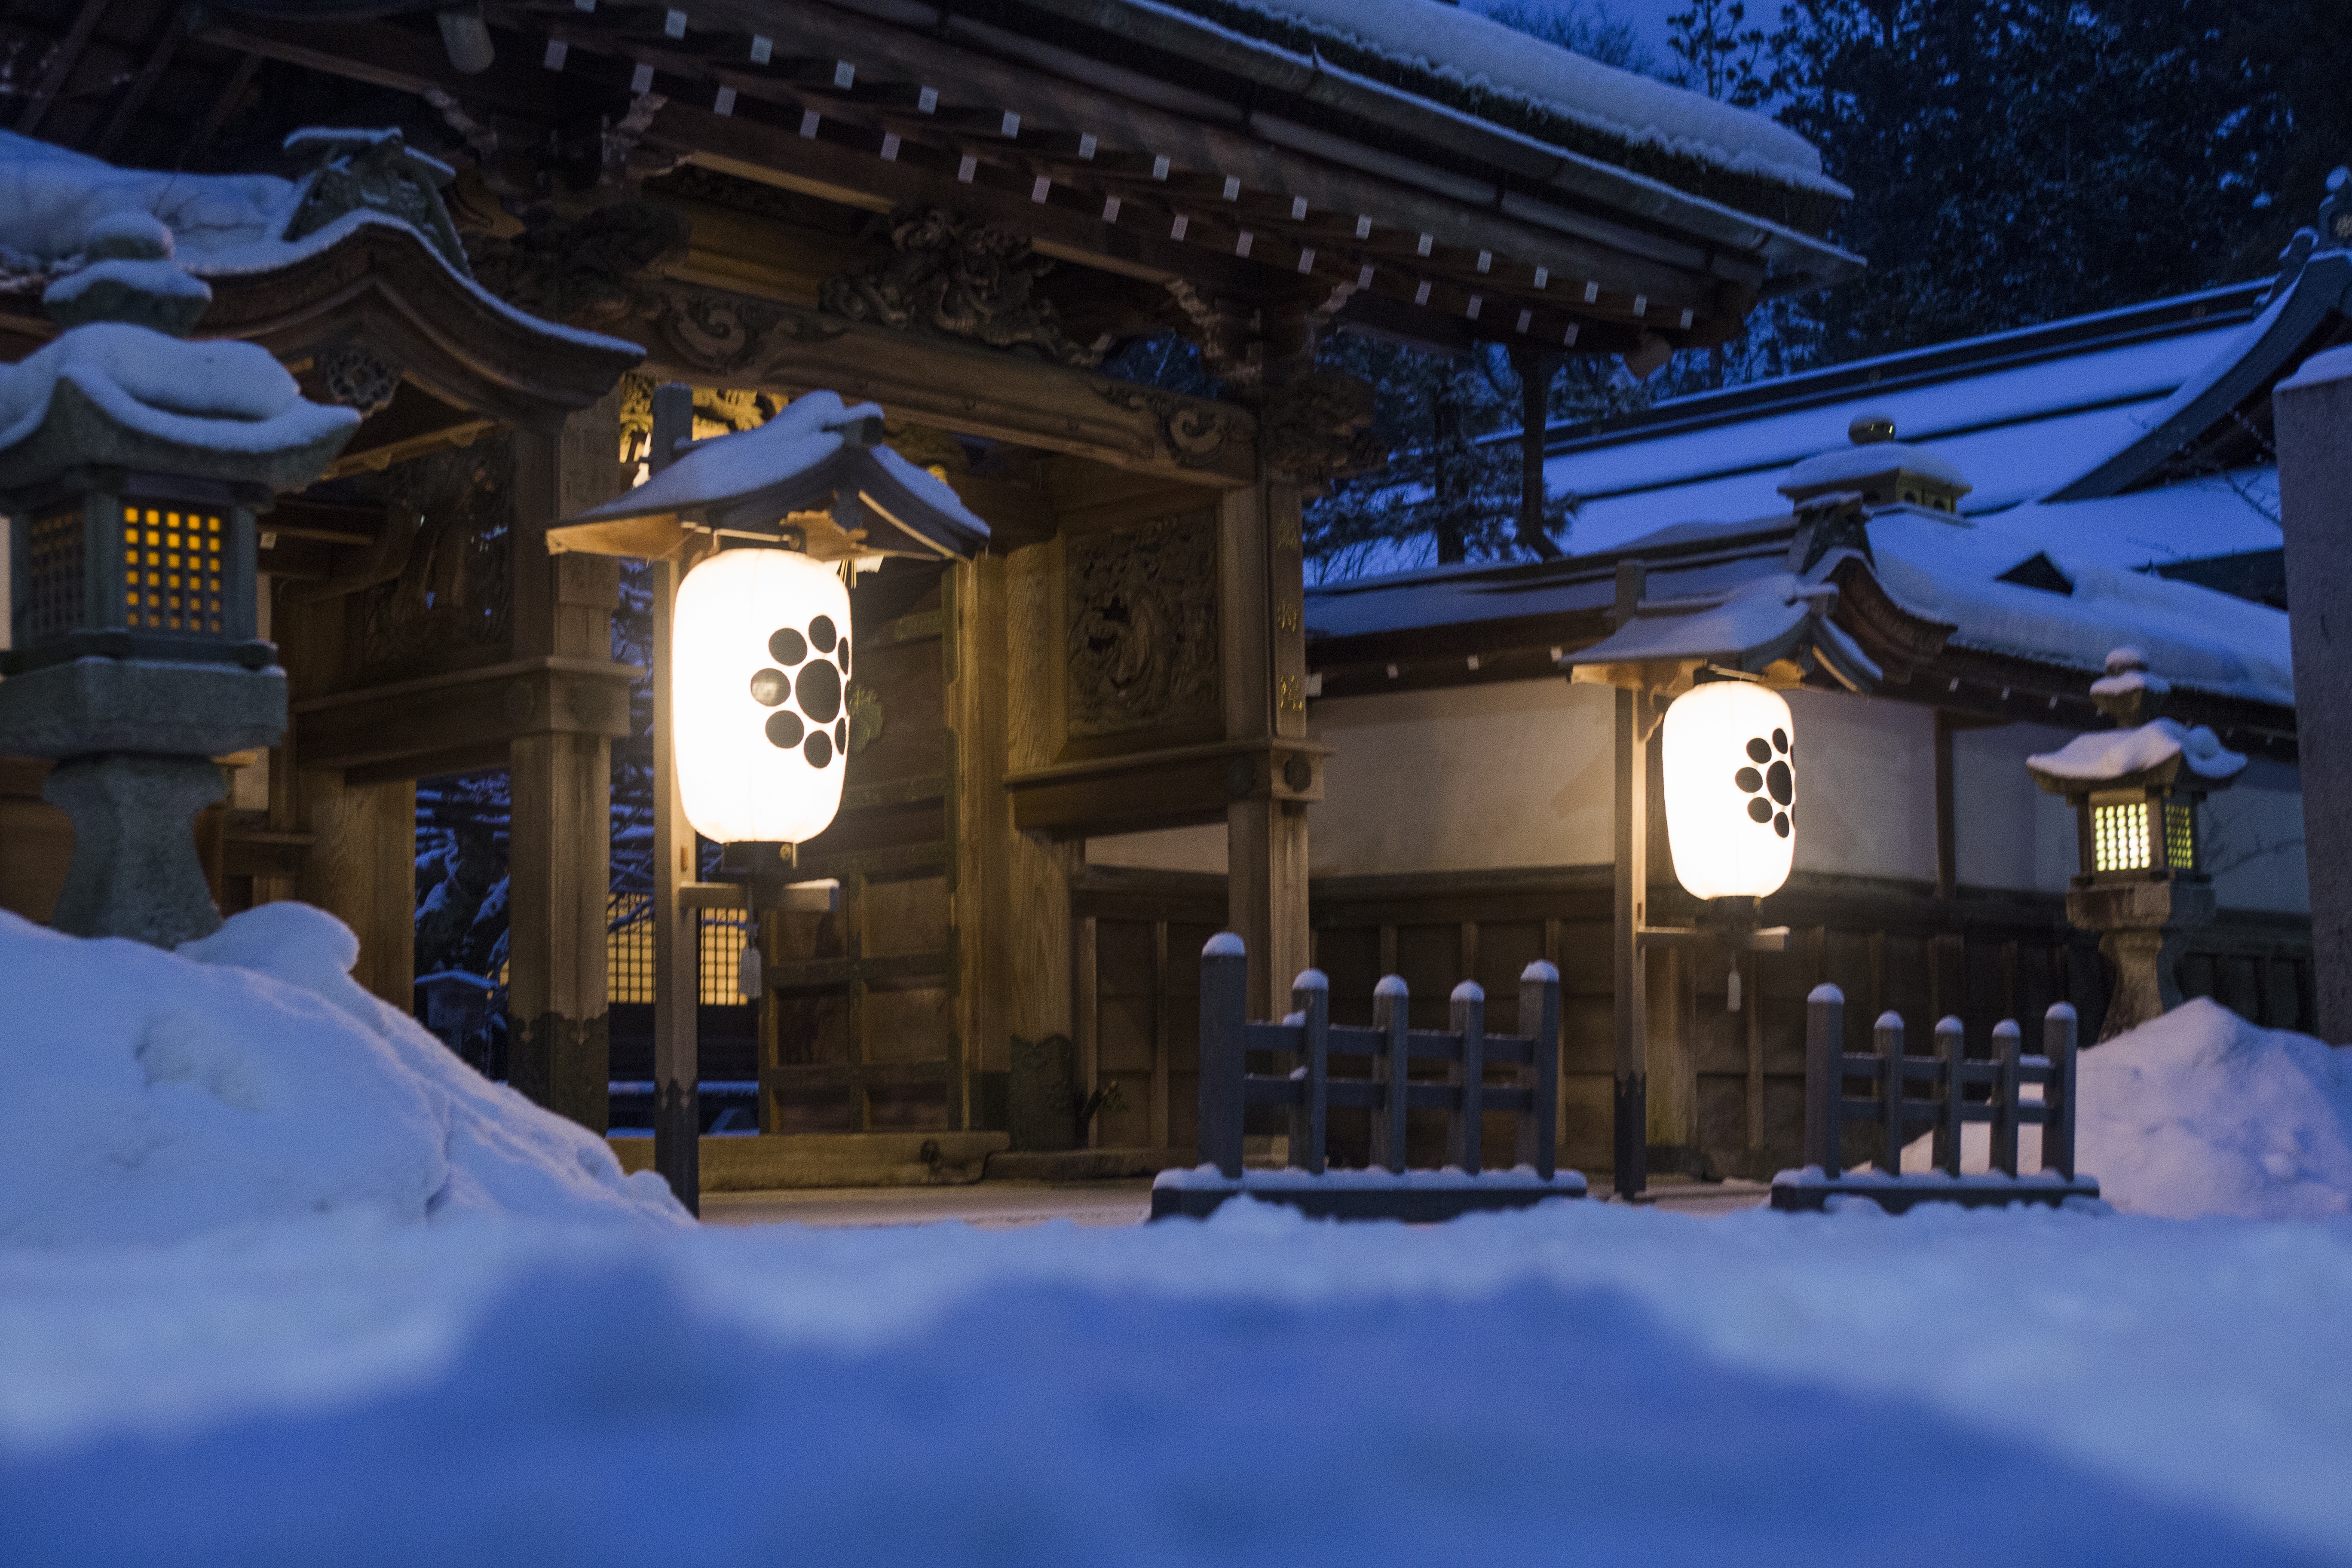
1951, 1047
1310, 996
1630, 1108
678, 958
362, 870
1825, 1079
1224, 1022
2313, 415
1886, 1038
1469, 1071
1263, 646
2007, 1046
1540, 1021
2058, 1044
1392, 1014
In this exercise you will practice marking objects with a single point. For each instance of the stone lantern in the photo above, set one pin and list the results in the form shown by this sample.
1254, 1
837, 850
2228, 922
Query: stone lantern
132, 464
2137, 790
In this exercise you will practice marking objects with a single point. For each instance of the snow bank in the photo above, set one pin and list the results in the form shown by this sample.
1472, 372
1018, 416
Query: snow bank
151, 1096
2201, 1113
1585, 1382
217, 394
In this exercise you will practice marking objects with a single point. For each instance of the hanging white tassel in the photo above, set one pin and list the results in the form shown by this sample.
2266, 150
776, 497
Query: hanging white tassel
1731, 988
746, 970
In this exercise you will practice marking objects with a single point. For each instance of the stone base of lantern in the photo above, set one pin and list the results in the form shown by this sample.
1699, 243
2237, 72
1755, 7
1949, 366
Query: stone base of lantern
135, 743
2143, 928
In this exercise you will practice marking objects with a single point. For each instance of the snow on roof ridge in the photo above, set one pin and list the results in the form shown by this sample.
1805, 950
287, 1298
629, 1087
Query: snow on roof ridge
1486, 55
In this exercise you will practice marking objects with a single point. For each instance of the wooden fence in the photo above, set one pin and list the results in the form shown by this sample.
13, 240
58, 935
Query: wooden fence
1303, 1044
1961, 1089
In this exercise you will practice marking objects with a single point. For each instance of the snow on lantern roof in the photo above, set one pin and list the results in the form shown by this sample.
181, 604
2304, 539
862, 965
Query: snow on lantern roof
2155, 753
816, 453
1878, 470
1747, 629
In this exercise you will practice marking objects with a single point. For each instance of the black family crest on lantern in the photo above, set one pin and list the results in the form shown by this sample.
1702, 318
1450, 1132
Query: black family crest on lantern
1770, 781
808, 690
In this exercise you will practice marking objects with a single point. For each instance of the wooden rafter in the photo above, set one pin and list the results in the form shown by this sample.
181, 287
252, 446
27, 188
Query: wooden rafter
62, 60
135, 96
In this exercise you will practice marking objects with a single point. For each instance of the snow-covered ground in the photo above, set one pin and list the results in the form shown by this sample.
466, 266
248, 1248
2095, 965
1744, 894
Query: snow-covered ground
469, 1341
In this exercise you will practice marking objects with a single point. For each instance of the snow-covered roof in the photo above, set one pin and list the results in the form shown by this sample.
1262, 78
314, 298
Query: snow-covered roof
1842, 466
222, 225
1459, 46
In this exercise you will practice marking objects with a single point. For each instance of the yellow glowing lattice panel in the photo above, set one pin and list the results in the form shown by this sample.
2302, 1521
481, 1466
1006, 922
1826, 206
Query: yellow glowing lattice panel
724, 933
629, 949
53, 559
2180, 840
2119, 837
173, 563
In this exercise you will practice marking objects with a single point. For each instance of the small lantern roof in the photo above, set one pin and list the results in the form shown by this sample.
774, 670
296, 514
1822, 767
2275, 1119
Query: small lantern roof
817, 455
2156, 755
1880, 470
1774, 626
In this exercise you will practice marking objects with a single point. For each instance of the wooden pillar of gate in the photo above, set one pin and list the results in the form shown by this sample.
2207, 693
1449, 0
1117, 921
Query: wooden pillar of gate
561, 762
1264, 654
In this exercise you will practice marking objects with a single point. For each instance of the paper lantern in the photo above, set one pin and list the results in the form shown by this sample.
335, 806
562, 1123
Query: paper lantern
759, 672
1728, 757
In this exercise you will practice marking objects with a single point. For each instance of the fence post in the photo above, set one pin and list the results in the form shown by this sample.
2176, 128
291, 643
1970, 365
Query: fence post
1225, 1021
2058, 1098
1951, 1045
2008, 1045
1886, 1036
1310, 996
1824, 1079
1468, 1141
1391, 1013
1540, 1021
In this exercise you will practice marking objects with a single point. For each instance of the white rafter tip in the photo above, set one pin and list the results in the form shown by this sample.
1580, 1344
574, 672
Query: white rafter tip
1687, 318
763, 49
891, 146
965, 169
674, 24
808, 123
1527, 319
1485, 259
1363, 229
724, 102
556, 49
927, 100
1297, 208
1111, 209
1242, 245
583, 5
1232, 186
1176, 231
1087, 146
1476, 301
1543, 276
1426, 241
1421, 294
1568, 338
1010, 125
845, 74
1038, 188
1307, 261
1364, 275
1591, 292
1641, 304
641, 80
1159, 168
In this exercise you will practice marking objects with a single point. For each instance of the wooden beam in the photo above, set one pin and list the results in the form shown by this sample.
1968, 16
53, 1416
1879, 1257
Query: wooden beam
134, 98
223, 104
63, 57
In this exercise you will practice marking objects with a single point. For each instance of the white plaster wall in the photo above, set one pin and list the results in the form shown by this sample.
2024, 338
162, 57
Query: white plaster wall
2007, 832
1200, 848
2253, 841
1865, 785
1473, 778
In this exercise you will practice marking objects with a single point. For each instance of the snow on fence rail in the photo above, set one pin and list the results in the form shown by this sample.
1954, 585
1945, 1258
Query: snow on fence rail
1952, 1102
1305, 1043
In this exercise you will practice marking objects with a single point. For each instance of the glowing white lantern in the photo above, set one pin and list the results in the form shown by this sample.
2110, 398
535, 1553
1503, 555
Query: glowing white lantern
1731, 787
759, 666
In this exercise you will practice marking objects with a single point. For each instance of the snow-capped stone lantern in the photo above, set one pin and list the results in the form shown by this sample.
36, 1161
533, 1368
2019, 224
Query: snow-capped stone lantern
132, 464
1879, 469
2137, 790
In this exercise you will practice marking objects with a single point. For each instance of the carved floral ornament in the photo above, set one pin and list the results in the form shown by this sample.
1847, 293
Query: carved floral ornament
971, 280
1142, 618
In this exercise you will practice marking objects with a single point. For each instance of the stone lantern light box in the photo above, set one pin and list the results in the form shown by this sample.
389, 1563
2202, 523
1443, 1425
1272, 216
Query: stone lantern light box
132, 464
2136, 792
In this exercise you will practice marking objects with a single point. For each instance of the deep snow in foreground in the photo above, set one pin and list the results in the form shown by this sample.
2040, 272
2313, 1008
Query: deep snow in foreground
149, 1096
1582, 1383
